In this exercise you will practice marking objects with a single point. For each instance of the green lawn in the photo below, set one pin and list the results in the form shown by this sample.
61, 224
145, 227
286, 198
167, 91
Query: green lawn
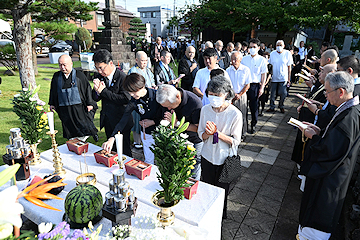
8, 119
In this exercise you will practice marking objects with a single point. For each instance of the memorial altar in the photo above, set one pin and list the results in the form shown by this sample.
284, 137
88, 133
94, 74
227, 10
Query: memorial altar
204, 210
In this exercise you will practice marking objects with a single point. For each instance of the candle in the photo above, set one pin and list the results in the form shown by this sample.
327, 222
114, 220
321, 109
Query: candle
50, 116
119, 145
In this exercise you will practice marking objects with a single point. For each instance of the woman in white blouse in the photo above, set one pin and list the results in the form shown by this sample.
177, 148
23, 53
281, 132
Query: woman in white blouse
220, 129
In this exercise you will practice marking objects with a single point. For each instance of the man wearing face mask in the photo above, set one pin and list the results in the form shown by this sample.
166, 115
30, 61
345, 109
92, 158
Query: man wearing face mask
203, 75
258, 70
281, 60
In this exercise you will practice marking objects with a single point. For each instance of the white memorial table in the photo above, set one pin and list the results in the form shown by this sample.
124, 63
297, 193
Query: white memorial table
38, 214
204, 210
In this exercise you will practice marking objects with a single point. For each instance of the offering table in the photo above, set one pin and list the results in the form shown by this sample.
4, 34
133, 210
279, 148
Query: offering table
203, 210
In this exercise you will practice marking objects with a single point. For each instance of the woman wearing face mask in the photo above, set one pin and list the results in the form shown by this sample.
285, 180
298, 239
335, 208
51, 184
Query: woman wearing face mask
220, 128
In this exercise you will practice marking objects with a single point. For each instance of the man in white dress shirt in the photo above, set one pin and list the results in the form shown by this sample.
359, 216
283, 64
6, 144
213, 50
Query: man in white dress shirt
281, 60
203, 75
258, 70
240, 78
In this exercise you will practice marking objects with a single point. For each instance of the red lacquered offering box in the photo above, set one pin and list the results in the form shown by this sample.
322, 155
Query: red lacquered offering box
138, 168
108, 159
192, 189
77, 146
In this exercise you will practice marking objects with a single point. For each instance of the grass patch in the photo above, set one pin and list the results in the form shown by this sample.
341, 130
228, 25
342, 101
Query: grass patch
8, 119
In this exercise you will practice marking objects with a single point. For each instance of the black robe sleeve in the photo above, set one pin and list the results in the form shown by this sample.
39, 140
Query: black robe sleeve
125, 118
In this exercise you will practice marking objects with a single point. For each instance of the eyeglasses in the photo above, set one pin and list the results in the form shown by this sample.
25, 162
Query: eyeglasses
326, 93
101, 69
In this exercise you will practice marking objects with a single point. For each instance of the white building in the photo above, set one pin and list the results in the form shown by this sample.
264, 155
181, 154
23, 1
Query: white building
159, 18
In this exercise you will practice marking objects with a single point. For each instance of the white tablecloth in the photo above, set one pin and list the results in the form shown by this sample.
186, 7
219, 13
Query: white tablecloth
203, 210
38, 214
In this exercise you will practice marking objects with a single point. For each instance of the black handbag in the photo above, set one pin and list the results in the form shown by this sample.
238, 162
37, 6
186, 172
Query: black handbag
232, 167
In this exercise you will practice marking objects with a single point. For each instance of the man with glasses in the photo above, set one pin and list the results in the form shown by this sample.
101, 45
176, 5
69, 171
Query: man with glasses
218, 47
70, 97
258, 69
329, 161
108, 89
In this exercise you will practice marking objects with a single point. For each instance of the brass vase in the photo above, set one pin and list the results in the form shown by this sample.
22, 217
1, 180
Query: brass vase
36, 155
166, 217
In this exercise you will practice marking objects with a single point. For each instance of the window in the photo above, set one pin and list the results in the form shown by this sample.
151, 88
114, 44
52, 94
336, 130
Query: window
153, 14
100, 19
143, 14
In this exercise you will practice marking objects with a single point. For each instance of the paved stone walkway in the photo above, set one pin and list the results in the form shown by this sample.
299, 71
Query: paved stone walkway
264, 203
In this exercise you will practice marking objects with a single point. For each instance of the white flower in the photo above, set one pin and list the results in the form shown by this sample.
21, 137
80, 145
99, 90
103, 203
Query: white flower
10, 210
17, 95
44, 227
6, 230
164, 123
90, 225
184, 135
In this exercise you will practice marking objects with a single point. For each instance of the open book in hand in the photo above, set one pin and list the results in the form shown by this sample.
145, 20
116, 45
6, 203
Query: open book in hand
296, 123
303, 98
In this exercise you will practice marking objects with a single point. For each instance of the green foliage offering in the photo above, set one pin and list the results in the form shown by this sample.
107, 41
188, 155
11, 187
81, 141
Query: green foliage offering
8, 56
174, 158
32, 116
83, 38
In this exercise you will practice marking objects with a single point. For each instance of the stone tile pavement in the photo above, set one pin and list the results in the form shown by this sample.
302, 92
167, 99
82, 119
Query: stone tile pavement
264, 203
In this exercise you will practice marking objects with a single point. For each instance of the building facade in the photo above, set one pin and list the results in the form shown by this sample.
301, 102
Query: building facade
159, 18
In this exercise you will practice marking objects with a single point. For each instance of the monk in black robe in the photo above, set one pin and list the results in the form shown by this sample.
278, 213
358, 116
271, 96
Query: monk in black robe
330, 159
70, 97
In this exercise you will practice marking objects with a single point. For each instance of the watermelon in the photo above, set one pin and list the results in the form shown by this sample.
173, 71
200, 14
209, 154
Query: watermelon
83, 203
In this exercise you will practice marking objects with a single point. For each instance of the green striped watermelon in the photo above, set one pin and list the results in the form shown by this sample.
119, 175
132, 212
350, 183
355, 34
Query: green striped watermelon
83, 203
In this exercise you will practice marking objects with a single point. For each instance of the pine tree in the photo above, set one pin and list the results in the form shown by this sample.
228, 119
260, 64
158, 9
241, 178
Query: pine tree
136, 31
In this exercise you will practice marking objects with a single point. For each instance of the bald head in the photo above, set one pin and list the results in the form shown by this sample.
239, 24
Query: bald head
236, 58
65, 64
190, 52
329, 68
219, 45
141, 59
158, 40
328, 57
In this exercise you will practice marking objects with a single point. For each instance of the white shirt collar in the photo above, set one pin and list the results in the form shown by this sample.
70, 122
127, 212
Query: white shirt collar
110, 77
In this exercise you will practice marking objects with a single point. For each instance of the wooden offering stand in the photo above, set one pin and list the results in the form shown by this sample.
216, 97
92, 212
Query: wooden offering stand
138, 168
77, 146
108, 159
24, 170
192, 189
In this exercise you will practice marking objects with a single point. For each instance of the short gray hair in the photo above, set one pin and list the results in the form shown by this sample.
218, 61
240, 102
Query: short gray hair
220, 84
209, 44
341, 79
280, 41
166, 92
139, 54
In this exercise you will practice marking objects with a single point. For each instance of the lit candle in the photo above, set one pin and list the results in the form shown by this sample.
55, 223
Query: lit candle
119, 145
50, 116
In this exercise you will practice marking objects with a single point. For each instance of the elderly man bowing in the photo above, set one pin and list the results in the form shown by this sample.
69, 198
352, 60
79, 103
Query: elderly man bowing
70, 97
240, 77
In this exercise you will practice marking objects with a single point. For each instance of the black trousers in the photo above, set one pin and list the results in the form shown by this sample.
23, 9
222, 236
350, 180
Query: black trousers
253, 98
109, 128
210, 174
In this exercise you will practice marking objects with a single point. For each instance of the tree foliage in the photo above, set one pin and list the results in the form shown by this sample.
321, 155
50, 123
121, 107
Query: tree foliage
277, 16
58, 30
8, 56
83, 38
136, 31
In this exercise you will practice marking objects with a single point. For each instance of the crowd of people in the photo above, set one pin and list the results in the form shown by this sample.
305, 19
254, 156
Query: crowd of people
214, 92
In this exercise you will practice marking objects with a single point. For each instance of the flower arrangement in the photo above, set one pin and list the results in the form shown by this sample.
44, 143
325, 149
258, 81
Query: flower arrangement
10, 209
174, 159
32, 116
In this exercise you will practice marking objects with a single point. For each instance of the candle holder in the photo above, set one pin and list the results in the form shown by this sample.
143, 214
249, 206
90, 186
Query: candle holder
58, 165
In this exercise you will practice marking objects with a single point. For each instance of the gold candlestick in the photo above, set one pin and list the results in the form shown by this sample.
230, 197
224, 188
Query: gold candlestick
58, 165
